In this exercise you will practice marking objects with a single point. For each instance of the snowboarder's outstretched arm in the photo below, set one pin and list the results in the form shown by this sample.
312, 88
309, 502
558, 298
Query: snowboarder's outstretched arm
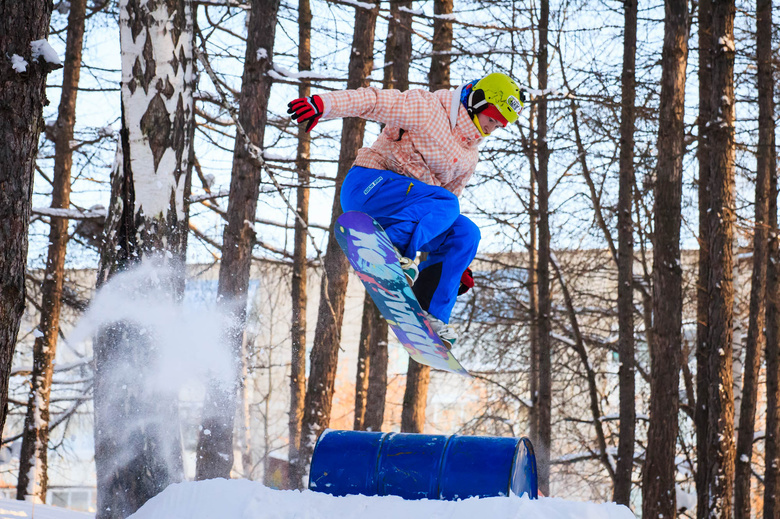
410, 110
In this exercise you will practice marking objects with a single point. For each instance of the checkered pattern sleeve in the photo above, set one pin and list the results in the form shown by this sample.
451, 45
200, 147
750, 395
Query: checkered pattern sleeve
410, 110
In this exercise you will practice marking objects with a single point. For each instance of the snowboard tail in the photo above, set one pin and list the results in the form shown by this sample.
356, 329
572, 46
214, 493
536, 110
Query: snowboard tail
371, 253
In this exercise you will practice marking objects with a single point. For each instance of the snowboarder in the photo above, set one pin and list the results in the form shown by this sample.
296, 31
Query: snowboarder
410, 179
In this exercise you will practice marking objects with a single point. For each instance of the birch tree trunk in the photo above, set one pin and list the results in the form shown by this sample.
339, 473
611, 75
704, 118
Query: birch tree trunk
33, 459
627, 370
215, 440
720, 227
298, 289
758, 285
543, 270
136, 459
22, 96
658, 499
327, 335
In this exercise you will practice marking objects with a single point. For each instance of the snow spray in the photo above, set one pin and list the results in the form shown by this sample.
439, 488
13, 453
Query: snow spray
150, 349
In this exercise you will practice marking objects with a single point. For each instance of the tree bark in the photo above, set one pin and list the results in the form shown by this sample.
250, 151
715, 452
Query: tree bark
439, 76
377, 374
22, 96
298, 289
758, 285
215, 440
767, 151
364, 364
135, 460
33, 460
327, 334
418, 378
658, 498
533, 307
767, 145
720, 228
702, 297
625, 259
543, 271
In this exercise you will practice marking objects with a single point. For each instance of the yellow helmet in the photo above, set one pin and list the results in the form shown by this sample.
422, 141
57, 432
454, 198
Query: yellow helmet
502, 92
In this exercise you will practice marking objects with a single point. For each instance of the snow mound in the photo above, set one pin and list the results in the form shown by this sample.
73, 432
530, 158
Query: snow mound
243, 499
12, 509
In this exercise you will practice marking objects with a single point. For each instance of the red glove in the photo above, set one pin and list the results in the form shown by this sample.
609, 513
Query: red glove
306, 109
466, 282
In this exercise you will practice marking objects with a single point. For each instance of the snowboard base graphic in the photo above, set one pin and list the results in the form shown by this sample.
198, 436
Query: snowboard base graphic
371, 254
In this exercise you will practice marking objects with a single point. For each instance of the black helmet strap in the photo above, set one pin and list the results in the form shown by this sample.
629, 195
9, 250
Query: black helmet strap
476, 101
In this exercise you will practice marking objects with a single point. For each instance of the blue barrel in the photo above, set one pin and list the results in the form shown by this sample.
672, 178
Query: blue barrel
422, 466
346, 464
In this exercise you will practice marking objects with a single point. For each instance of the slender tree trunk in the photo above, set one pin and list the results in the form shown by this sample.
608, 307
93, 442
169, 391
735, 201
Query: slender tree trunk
439, 76
22, 96
702, 297
33, 460
545, 324
533, 308
658, 498
418, 378
377, 374
767, 151
215, 440
758, 285
299, 293
135, 460
767, 145
364, 364
327, 334
627, 370
720, 227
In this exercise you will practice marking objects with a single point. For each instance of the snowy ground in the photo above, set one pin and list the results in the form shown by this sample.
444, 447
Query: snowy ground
242, 499
10, 509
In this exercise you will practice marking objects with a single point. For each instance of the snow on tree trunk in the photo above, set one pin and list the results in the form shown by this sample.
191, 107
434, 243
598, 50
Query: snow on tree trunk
136, 459
22, 97
33, 460
215, 441
327, 334
658, 492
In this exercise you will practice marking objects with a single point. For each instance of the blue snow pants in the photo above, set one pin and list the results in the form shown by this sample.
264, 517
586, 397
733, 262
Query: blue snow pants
418, 217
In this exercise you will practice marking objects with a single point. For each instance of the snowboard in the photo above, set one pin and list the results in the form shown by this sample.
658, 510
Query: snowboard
371, 254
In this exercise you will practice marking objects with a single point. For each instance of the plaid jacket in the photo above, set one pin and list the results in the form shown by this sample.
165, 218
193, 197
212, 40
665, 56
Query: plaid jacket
429, 148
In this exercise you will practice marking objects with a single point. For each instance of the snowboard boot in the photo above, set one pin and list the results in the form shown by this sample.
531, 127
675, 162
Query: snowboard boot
446, 333
409, 267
